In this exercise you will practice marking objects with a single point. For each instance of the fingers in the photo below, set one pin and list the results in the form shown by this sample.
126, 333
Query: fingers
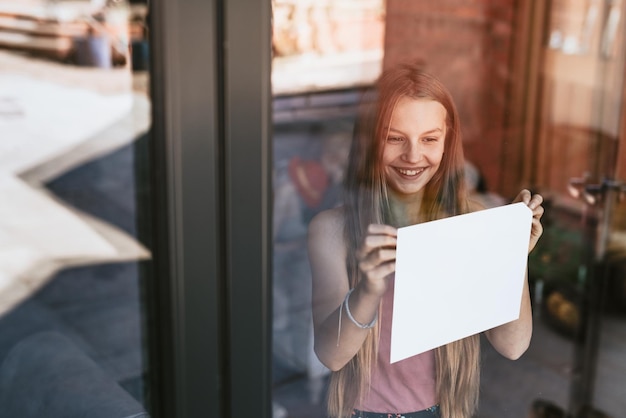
377, 254
533, 201
373, 242
523, 196
380, 271
376, 258
382, 229
535, 233
378, 236
536, 228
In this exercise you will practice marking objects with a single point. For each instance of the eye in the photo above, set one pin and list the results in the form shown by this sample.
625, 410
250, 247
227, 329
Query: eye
395, 139
430, 139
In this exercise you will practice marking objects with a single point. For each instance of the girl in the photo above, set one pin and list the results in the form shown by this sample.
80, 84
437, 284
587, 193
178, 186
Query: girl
405, 167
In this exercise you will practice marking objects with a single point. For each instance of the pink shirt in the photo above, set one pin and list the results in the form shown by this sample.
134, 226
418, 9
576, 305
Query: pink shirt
404, 386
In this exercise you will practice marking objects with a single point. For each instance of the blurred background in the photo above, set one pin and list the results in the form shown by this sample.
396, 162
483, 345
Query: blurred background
540, 90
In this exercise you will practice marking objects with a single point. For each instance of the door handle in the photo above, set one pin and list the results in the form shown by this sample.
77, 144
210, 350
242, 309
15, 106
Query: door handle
594, 193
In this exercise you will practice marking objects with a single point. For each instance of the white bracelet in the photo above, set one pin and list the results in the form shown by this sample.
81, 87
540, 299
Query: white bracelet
339, 326
354, 321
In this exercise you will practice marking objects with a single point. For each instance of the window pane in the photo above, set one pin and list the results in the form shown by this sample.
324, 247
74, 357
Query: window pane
539, 90
326, 53
74, 125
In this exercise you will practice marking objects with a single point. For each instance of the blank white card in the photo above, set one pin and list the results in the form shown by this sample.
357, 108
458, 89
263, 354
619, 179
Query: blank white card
458, 276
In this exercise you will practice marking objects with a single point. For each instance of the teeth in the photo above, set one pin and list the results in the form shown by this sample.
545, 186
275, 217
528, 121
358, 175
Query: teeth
410, 172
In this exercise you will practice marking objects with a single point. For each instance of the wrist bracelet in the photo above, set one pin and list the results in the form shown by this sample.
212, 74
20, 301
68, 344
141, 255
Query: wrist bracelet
354, 321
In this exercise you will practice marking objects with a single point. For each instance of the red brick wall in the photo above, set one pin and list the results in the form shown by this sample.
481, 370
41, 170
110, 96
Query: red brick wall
468, 45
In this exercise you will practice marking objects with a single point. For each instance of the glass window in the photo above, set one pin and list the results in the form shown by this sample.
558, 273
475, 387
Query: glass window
74, 122
539, 89
325, 53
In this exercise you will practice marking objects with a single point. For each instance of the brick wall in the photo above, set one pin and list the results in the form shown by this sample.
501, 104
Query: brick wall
468, 45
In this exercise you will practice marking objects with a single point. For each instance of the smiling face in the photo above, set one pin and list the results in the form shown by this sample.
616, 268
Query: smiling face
414, 145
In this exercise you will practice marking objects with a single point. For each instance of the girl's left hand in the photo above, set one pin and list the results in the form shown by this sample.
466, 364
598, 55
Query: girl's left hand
534, 203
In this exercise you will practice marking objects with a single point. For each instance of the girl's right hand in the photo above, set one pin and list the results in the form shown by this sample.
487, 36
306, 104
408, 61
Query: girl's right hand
377, 257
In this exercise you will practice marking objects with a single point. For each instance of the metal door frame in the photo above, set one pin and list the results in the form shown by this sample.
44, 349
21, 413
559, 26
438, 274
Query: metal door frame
208, 299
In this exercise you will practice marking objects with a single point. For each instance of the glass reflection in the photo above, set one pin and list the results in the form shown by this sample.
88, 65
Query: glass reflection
74, 120
538, 109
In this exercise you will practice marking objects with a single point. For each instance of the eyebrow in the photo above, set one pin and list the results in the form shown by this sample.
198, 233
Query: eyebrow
432, 131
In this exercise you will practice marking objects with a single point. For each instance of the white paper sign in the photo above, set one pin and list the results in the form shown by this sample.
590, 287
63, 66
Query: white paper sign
458, 276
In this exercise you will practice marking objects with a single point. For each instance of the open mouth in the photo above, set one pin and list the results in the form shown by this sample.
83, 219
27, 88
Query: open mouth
410, 173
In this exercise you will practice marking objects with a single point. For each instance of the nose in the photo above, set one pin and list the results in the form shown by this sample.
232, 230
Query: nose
412, 152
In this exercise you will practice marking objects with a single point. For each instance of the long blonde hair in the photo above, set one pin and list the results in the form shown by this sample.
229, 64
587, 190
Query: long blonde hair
366, 202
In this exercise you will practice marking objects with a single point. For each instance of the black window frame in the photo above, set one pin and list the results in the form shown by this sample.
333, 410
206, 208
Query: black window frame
208, 291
